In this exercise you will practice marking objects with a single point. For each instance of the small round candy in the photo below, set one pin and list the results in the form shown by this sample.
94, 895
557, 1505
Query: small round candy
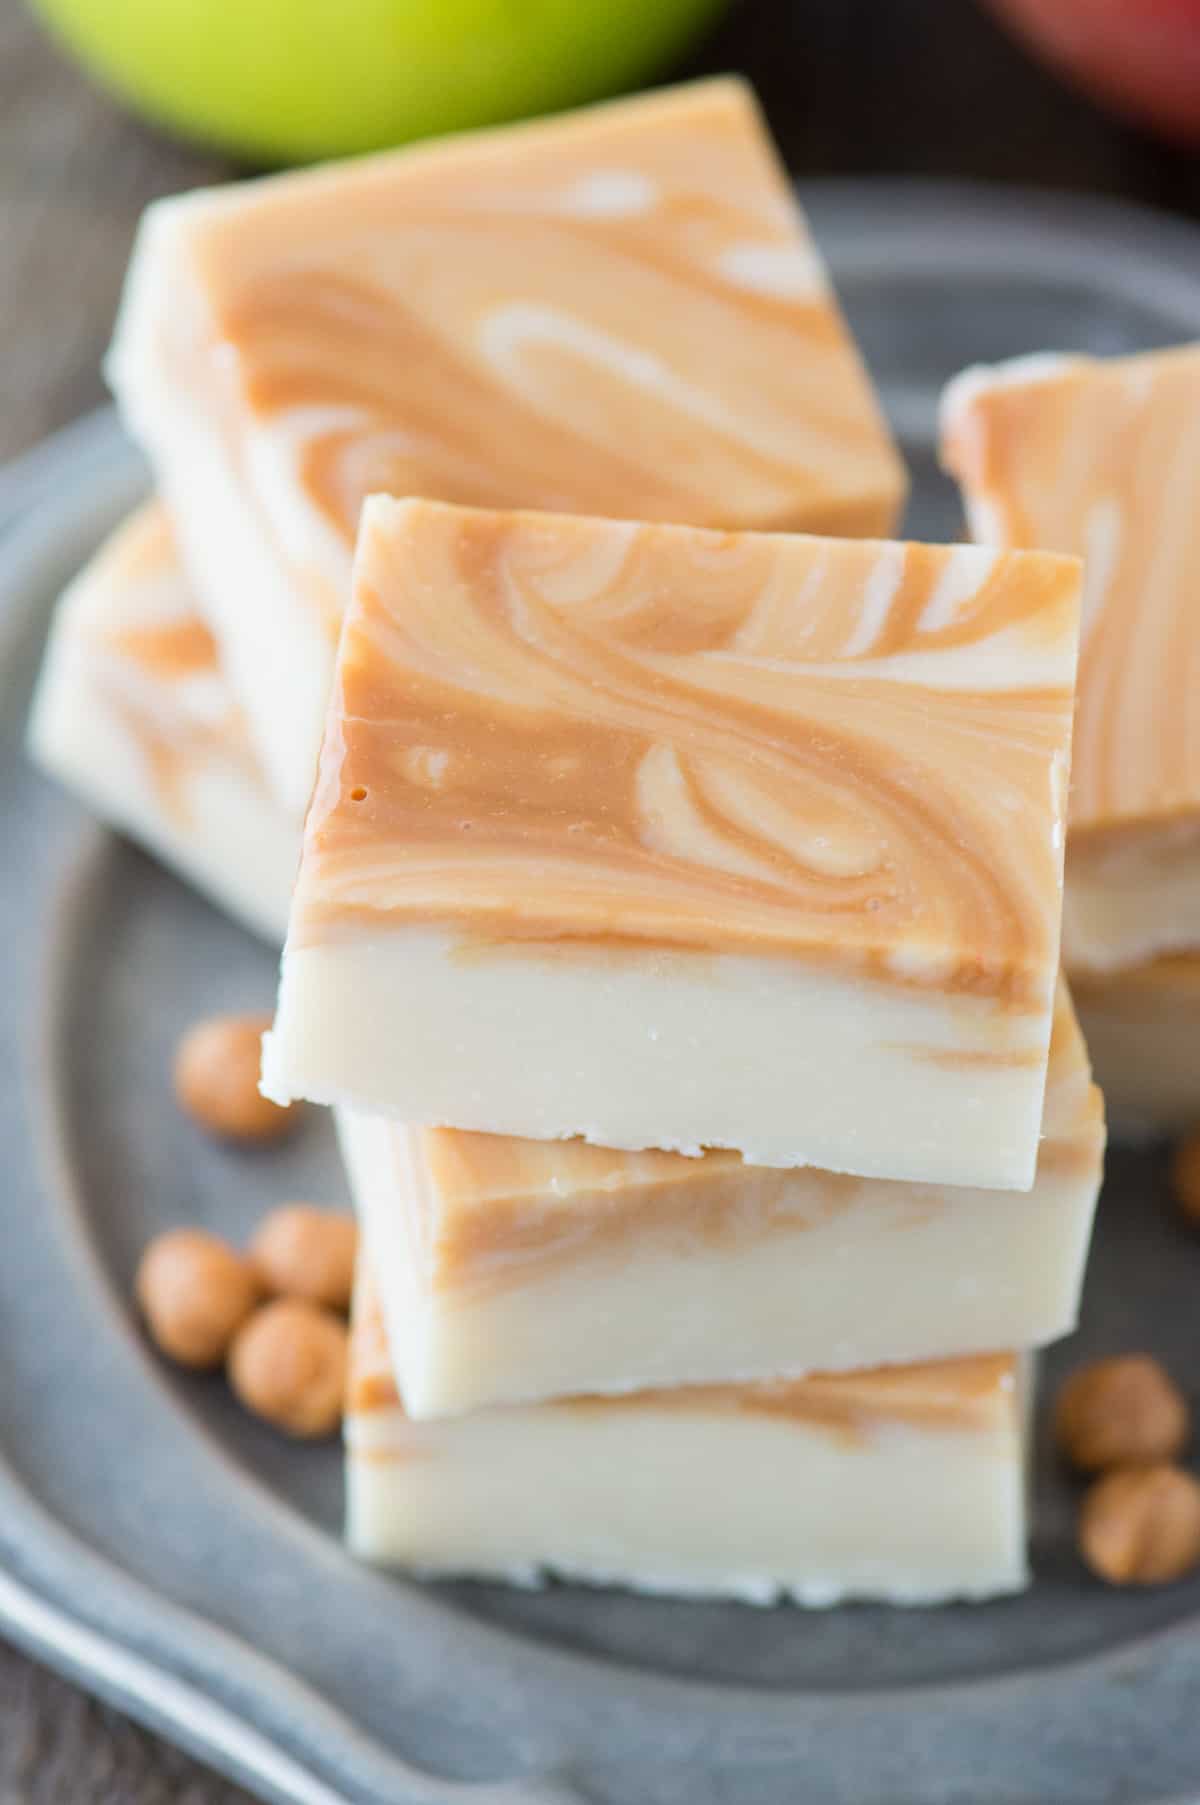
288, 1365
216, 1080
303, 1251
195, 1292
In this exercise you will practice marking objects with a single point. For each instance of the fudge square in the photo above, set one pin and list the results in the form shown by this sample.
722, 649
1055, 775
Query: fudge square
1102, 457
510, 1271
133, 713
615, 312
672, 838
905, 1485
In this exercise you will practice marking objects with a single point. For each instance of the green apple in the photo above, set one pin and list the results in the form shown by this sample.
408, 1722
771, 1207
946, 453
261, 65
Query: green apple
284, 80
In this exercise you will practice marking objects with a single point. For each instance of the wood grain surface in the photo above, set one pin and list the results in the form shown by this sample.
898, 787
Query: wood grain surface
852, 87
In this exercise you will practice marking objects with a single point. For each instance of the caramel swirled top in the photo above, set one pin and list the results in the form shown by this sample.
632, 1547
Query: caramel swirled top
595, 734
973, 1395
616, 312
1102, 458
154, 660
134, 604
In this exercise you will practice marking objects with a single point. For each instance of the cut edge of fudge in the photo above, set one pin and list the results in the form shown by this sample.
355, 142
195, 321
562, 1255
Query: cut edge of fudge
132, 713
563, 1267
931, 1462
744, 703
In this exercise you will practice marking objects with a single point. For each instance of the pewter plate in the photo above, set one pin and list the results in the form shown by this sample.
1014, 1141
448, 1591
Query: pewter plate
182, 1561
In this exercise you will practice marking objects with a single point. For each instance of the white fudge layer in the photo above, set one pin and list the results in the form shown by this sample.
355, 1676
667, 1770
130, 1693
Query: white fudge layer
242, 528
510, 1300
789, 1066
278, 652
1098, 456
153, 747
676, 1493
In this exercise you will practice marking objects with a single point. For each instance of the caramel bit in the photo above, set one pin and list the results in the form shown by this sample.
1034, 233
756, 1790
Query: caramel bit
1140, 1526
305, 1252
1121, 1412
288, 1365
1185, 1177
195, 1293
216, 1080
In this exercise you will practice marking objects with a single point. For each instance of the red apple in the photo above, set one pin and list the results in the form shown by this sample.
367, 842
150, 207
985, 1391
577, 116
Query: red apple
1141, 56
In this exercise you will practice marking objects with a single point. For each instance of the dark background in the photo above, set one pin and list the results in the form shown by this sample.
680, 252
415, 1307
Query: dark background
852, 87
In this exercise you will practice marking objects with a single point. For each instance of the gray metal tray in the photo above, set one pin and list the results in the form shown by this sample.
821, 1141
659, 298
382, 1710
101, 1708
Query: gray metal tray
181, 1560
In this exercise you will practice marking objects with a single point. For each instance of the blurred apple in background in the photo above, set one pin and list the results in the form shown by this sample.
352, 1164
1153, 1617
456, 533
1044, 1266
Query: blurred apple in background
286, 80
1142, 56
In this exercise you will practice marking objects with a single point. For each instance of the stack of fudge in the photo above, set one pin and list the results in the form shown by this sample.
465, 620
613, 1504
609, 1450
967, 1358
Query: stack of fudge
670, 865
1101, 457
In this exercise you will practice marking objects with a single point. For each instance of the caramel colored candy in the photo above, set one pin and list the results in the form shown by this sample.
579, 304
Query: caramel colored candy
288, 1365
303, 1251
1126, 1411
195, 1292
216, 1079
1140, 1526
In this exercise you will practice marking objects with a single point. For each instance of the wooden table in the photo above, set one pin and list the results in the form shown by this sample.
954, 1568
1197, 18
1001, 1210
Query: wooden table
851, 86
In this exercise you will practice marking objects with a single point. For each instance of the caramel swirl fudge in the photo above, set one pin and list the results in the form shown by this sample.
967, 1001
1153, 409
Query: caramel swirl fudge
1102, 458
515, 1270
133, 713
673, 838
905, 1485
615, 312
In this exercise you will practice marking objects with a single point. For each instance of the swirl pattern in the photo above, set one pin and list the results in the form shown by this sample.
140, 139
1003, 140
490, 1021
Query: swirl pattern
597, 734
152, 662
1102, 459
617, 313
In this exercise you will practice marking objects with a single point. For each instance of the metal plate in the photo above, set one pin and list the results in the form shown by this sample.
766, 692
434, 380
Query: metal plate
181, 1560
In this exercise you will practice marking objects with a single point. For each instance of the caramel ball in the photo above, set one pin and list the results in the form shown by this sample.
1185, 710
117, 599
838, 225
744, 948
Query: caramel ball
1185, 1178
288, 1365
303, 1251
195, 1293
216, 1080
1140, 1526
1122, 1412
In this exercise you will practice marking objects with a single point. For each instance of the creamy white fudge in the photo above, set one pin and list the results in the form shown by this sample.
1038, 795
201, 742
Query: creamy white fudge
1102, 457
1143, 1032
133, 713
672, 838
512, 1270
905, 1484
619, 311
